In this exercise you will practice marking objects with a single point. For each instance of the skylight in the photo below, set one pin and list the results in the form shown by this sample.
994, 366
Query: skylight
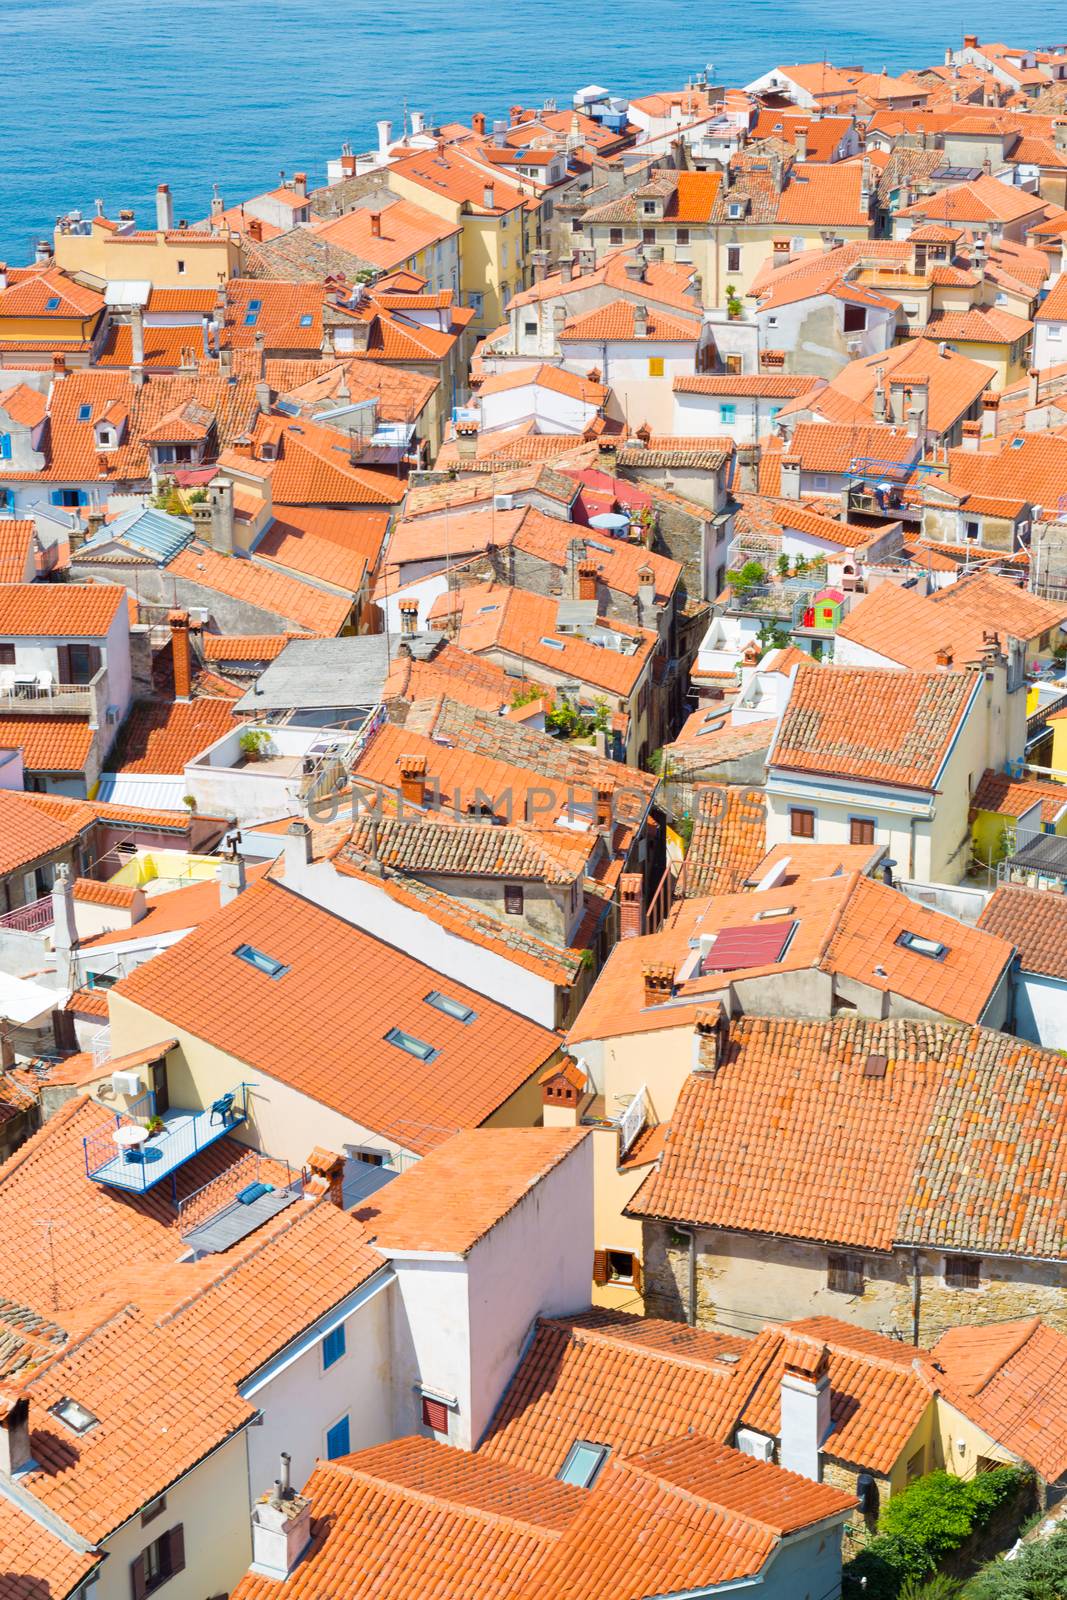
255, 305
52, 304
583, 1463
922, 947
450, 1007
306, 320
84, 413
251, 319
262, 963
75, 1416
413, 1046
553, 644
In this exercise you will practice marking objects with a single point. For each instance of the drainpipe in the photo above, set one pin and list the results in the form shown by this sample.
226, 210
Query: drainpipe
911, 847
916, 1296
691, 1235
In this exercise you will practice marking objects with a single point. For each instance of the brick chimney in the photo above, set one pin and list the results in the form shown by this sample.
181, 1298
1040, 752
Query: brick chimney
478, 123
708, 1028
563, 1088
375, 224
281, 1527
254, 230
990, 407
631, 905
605, 796
327, 1170
943, 658
412, 770
587, 575
659, 983
180, 654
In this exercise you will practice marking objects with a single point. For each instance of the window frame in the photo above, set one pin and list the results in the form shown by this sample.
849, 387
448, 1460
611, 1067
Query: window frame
966, 1262
404, 1041
343, 1422
795, 813
855, 823
843, 1271
333, 1347
514, 892
600, 1452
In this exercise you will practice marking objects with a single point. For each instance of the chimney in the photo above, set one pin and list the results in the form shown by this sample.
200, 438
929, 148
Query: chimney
865, 184
164, 209
488, 198
297, 848
179, 649
800, 140
708, 1028
990, 407
566, 268
516, 116
375, 224
59, 367
220, 499
659, 983
640, 322
1033, 379
635, 269
418, 122
409, 618
478, 123
412, 779
385, 138
42, 254
631, 905
587, 575
230, 876
970, 432
261, 358
646, 590
218, 204
281, 1528
205, 333
970, 41
943, 658
3, 274
327, 1170
540, 265
805, 1411
790, 477
300, 185
15, 1452
563, 1088
64, 927
254, 230
605, 798
466, 440
137, 336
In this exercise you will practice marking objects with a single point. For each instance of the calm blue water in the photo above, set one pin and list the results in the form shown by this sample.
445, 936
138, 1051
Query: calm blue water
111, 97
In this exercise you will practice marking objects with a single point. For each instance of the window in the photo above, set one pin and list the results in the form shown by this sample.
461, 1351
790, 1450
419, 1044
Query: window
434, 1414
513, 899
615, 235
681, 235
69, 498
76, 1417
7, 655
821, 482
1054, 331
85, 413
181, 267
922, 947
733, 258
262, 963
52, 304
530, 330
915, 1466
971, 529
251, 318
802, 824
154, 1508
727, 413
553, 644
333, 1346
337, 1440
583, 1463
5, 447
576, 225
855, 319
620, 1266
963, 1272
306, 320
655, 366
163, 1559
844, 1274
450, 1007
860, 830
648, 235
408, 1042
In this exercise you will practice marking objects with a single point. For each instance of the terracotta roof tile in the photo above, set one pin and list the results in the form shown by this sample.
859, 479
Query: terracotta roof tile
616, 321
1011, 1378
472, 849
336, 547
48, 744
104, 894
404, 230
727, 843
1035, 922
378, 1084
997, 604
297, 603
245, 646
60, 610
161, 736
1010, 797
23, 404
28, 835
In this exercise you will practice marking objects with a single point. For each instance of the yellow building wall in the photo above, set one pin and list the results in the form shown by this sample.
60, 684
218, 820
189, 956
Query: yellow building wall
171, 865
46, 330
208, 259
1059, 749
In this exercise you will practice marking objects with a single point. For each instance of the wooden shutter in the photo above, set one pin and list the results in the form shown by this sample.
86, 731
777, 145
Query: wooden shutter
600, 1267
176, 1549
92, 655
138, 1588
638, 1277
63, 662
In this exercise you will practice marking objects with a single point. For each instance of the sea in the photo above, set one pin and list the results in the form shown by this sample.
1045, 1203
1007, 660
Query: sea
107, 98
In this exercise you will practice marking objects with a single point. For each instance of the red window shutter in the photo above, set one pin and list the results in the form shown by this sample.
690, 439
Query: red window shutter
176, 1548
600, 1266
637, 1276
435, 1414
137, 1583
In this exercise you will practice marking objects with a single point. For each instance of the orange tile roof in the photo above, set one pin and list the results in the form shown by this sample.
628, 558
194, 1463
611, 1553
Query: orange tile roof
991, 602
405, 230
281, 318
23, 404
39, 1562
446, 171
67, 610
104, 894
624, 1381
379, 1085
245, 646
163, 347
401, 396
727, 843
454, 672
1035, 922
48, 744
616, 321
447, 1202
311, 465
1010, 797
826, 196
174, 912
1011, 1378
1030, 467
90, 1002
832, 447
906, 727
28, 835
981, 325
983, 199
441, 847
18, 541
905, 627
769, 385
161, 736
573, 384
879, 1388
336, 547
949, 1149
296, 603
953, 381
31, 296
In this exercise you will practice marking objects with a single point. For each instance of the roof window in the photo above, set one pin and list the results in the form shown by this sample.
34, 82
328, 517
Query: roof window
583, 1463
450, 1007
84, 413
922, 947
252, 318
306, 320
262, 963
553, 644
255, 305
76, 1417
414, 1047
52, 304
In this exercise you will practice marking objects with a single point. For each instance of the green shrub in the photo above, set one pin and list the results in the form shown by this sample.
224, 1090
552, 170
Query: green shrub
939, 1588
1039, 1572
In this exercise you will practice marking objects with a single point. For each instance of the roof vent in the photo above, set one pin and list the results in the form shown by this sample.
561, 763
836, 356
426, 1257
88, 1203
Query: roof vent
875, 1066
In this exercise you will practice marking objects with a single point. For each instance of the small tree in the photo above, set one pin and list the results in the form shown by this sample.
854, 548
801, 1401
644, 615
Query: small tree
1038, 1572
748, 577
734, 305
781, 566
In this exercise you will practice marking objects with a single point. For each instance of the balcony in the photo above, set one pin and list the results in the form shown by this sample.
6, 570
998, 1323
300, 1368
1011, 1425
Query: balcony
38, 694
135, 1161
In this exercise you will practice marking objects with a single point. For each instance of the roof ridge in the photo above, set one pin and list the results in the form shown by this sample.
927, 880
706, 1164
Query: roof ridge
602, 1336
66, 1113
634, 1466
1030, 1327
435, 1499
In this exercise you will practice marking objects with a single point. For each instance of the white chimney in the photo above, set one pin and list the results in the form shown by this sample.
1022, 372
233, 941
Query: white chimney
385, 137
297, 850
220, 498
64, 927
137, 337
164, 209
230, 876
488, 197
640, 322
15, 1452
281, 1528
805, 1422
3, 274
418, 121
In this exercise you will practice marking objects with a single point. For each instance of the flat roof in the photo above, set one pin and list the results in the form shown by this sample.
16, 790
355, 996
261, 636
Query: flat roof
321, 673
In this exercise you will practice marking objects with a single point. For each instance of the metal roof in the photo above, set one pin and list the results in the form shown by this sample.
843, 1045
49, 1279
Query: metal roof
151, 532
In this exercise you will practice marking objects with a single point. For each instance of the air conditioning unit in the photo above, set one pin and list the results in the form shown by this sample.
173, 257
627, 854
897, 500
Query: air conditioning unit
127, 1083
503, 502
756, 1445
854, 347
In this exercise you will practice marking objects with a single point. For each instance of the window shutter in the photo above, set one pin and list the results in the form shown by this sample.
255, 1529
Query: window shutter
138, 1588
600, 1267
435, 1414
63, 662
638, 1278
176, 1548
56, 497
93, 658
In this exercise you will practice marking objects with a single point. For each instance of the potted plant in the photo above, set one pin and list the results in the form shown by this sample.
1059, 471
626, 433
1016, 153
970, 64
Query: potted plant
734, 305
154, 1126
255, 744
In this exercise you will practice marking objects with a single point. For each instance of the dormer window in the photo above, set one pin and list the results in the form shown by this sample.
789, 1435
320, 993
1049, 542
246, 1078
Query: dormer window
106, 438
734, 208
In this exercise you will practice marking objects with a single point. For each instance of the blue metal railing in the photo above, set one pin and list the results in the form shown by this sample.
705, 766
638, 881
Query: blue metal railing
161, 1154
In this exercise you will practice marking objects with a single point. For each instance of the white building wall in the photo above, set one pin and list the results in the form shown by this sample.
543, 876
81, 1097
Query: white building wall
1050, 344
701, 416
1041, 1010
